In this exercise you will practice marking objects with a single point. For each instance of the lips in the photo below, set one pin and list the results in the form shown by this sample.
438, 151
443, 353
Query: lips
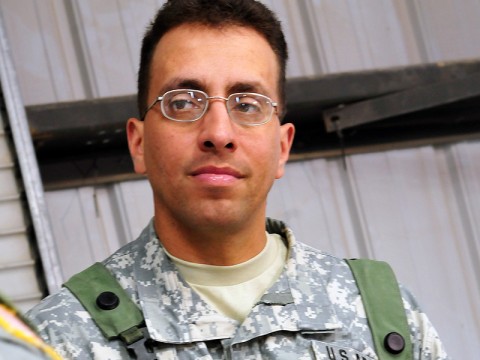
218, 176
217, 171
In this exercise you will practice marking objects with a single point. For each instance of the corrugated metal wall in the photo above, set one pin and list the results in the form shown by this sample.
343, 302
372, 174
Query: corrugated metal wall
73, 50
417, 208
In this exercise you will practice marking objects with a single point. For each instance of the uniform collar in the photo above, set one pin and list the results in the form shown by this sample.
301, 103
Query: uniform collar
174, 313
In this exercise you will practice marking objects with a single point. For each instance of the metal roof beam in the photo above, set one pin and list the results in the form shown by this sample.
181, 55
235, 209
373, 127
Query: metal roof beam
401, 102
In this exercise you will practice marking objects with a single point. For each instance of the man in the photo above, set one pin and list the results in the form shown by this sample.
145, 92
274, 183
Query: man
210, 282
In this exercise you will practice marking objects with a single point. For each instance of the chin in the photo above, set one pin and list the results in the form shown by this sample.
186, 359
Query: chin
221, 220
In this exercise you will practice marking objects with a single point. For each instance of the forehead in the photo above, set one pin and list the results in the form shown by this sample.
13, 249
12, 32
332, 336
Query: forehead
214, 58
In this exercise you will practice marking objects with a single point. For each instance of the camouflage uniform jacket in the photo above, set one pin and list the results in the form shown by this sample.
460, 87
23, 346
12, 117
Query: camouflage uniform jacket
313, 311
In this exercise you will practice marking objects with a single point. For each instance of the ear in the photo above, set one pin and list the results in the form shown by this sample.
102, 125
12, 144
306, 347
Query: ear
135, 144
287, 133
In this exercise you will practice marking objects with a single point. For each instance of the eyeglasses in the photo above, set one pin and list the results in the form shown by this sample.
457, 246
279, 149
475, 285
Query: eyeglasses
185, 105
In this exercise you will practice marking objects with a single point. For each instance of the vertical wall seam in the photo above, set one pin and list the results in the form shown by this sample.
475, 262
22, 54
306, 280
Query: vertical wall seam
354, 209
45, 51
79, 50
310, 35
417, 28
464, 213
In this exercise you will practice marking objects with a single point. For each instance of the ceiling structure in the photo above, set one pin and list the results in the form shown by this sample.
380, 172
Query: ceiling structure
83, 142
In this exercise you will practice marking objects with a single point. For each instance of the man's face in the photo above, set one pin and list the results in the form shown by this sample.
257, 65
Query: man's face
212, 172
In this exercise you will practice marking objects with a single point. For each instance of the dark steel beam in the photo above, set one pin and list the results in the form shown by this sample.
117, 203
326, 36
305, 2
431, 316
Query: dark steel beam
401, 102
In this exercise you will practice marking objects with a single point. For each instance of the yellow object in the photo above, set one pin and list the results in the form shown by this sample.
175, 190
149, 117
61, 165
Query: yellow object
10, 322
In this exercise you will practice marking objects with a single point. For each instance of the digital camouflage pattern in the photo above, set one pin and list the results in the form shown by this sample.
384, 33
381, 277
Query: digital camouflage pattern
313, 311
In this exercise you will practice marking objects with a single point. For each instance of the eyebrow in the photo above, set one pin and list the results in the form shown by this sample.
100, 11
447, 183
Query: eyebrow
179, 83
186, 83
247, 87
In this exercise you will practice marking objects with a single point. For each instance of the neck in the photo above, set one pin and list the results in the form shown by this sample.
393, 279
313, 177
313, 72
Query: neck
221, 244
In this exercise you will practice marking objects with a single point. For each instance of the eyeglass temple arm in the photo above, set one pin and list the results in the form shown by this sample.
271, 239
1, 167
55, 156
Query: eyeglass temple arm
149, 107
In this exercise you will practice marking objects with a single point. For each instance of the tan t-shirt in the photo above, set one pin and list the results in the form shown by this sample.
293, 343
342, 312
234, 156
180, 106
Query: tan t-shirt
234, 290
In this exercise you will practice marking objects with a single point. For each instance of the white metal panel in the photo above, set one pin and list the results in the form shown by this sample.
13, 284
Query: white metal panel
354, 35
5, 156
111, 32
8, 182
135, 200
90, 223
12, 276
83, 227
90, 48
312, 201
14, 246
11, 212
16, 280
465, 165
42, 51
449, 28
466, 159
302, 61
110, 69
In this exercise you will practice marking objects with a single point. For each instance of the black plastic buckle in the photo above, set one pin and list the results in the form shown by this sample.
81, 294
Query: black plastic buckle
142, 349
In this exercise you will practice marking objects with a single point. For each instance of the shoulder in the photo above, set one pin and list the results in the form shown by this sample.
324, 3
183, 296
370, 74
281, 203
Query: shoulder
62, 320
322, 278
425, 339
59, 318
335, 279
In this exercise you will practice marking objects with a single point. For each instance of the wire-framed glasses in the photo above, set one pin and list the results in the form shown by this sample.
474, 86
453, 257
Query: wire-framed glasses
186, 105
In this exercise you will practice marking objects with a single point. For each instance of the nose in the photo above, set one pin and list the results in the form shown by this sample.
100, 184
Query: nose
217, 132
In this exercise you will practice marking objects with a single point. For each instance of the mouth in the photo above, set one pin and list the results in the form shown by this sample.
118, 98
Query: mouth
216, 176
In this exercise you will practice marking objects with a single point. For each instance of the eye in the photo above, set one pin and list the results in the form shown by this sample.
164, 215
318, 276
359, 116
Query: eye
246, 105
177, 105
184, 102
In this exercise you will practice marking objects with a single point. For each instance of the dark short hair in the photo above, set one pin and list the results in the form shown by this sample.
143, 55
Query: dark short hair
215, 13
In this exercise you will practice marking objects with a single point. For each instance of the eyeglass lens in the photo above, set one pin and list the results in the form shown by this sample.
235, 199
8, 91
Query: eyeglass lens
190, 105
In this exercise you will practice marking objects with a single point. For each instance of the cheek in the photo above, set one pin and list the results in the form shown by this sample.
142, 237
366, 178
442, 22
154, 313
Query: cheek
266, 155
161, 152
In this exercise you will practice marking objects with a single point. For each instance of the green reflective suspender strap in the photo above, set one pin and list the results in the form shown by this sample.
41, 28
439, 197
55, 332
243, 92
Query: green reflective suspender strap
375, 279
384, 308
123, 320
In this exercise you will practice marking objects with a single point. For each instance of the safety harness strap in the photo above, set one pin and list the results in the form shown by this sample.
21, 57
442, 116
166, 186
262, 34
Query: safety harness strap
108, 304
384, 308
119, 317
